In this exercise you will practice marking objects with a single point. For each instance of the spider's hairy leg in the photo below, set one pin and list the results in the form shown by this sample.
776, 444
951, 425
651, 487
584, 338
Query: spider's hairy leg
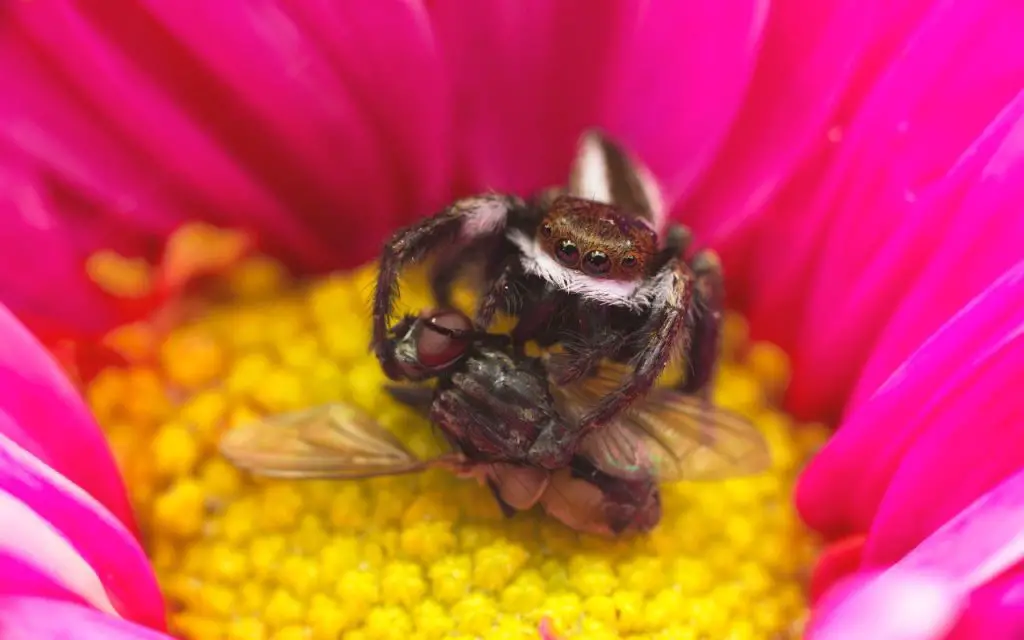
462, 224
497, 293
705, 322
584, 355
678, 239
661, 336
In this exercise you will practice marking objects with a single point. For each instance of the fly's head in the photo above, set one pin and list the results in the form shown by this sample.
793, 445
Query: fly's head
597, 239
431, 344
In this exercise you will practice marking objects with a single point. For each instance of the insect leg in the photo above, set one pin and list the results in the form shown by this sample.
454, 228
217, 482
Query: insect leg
462, 223
705, 322
662, 335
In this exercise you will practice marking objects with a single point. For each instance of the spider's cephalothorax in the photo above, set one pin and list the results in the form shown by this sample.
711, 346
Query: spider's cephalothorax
592, 266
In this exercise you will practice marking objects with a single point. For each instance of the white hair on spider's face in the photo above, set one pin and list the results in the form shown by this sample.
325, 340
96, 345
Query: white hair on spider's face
537, 262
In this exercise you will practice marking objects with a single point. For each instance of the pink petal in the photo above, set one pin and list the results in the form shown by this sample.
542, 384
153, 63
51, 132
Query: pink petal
49, 564
911, 127
321, 146
980, 243
894, 605
21, 578
49, 419
809, 55
195, 175
925, 591
41, 619
267, 115
996, 611
962, 237
678, 80
955, 375
971, 442
52, 247
526, 78
72, 527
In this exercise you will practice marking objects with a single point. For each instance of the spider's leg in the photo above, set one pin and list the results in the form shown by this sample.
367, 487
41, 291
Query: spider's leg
498, 293
463, 223
678, 239
662, 335
583, 355
705, 322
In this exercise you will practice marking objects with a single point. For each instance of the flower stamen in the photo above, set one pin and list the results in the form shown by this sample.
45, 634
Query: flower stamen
419, 557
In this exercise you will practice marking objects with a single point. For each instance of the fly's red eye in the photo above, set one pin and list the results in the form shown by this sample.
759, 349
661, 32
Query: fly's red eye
629, 262
567, 253
597, 263
436, 345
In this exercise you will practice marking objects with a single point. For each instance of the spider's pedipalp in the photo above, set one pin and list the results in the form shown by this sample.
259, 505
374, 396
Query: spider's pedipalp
705, 320
461, 225
669, 295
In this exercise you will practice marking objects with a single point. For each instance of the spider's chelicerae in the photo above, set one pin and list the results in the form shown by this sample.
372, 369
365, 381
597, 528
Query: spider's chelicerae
593, 266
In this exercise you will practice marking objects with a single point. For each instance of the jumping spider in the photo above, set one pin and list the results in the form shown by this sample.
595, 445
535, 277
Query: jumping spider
593, 266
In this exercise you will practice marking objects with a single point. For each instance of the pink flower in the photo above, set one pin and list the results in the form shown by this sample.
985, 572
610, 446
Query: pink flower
857, 164
69, 555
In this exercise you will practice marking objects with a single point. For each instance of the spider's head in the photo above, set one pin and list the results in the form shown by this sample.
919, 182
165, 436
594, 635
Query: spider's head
597, 239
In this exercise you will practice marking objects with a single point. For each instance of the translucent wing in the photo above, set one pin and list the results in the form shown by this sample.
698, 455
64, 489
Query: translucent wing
675, 436
327, 441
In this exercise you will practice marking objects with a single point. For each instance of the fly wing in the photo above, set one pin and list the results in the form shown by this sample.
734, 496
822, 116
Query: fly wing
326, 441
673, 435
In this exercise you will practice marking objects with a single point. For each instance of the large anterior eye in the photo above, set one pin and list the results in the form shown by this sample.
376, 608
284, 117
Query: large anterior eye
444, 338
567, 252
597, 263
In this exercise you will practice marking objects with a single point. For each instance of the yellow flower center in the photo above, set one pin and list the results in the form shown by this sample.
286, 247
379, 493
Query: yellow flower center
417, 557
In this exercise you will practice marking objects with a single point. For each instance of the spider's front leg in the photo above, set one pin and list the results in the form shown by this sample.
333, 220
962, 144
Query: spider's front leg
662, 334
461, 225
705, 322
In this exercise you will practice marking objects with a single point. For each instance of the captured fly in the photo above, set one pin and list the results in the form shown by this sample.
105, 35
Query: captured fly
510, 428
594, 266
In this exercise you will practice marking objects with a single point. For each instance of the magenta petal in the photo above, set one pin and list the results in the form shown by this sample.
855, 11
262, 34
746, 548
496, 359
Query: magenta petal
996, 611
963, 232
980, 242
49, 419
810, 52
39, 238
22, 578
41, 619
912, 127
90, 530
953, 376
895, 605
972, 441
678, 81
527, 77
322, 148
195, 172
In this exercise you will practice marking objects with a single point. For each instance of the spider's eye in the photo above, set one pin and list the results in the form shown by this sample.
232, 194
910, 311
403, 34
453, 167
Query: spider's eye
597, 263
546, 229
629, 261
567, 252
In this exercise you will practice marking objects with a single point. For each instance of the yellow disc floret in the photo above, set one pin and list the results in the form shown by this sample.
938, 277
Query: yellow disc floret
417, 557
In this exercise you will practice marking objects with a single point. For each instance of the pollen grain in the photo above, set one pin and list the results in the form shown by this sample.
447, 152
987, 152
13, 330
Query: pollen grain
419, 557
